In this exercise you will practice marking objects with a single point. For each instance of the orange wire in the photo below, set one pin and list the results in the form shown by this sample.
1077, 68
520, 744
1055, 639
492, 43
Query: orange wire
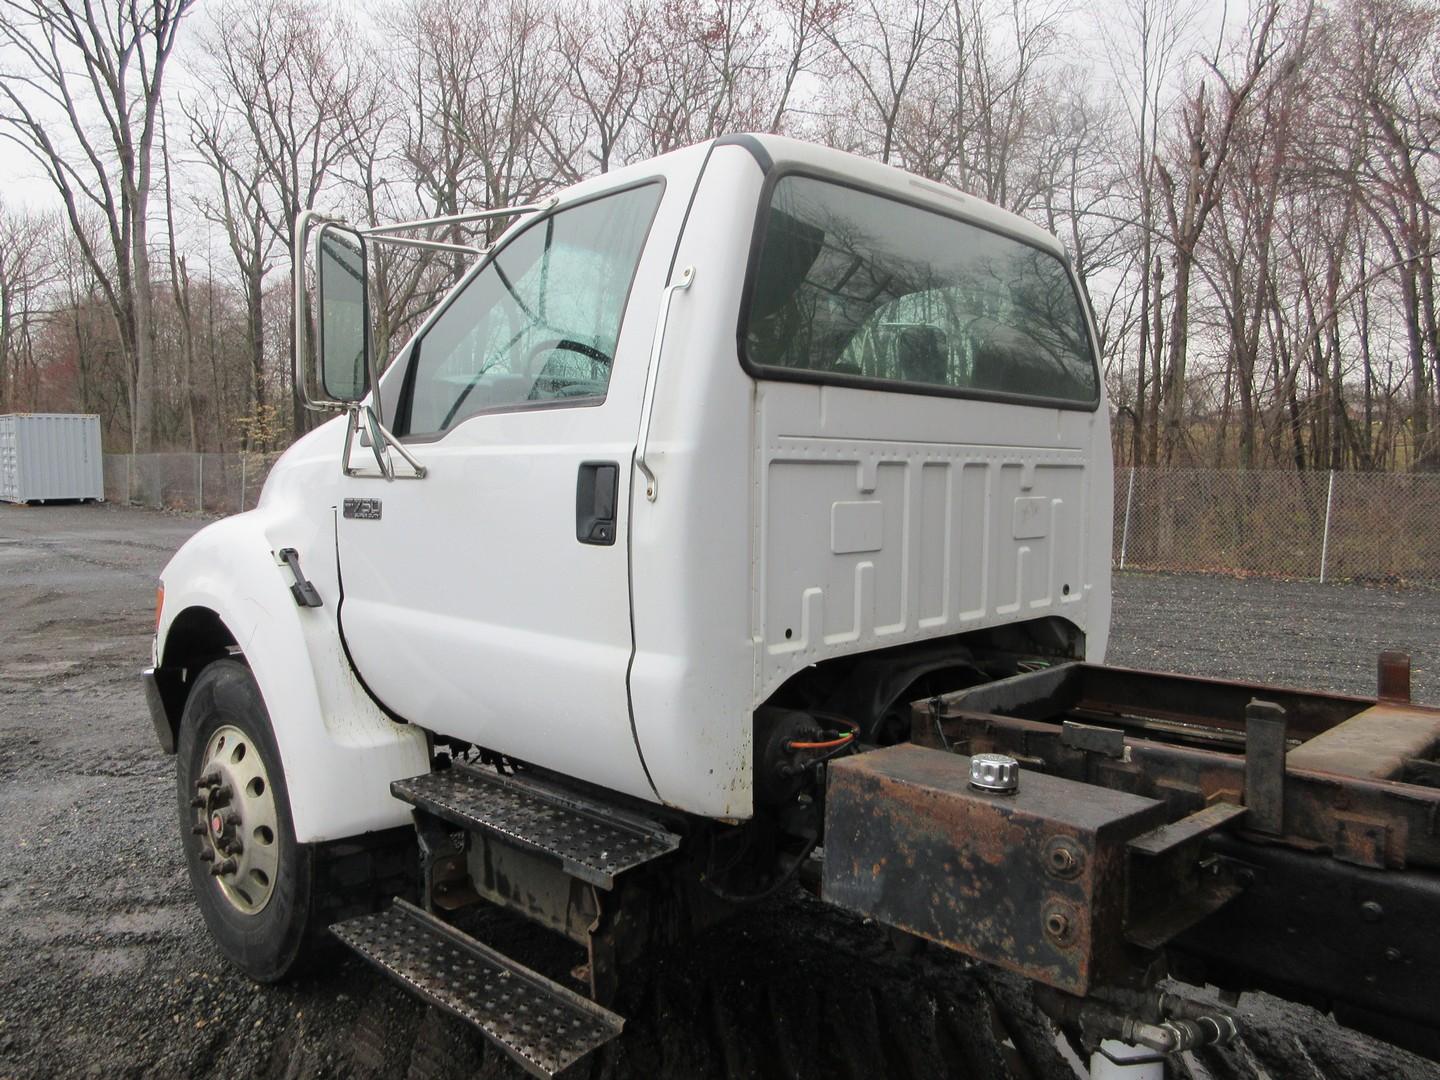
820, 745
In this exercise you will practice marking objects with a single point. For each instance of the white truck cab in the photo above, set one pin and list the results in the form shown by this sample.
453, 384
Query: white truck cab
704, 463
699, 428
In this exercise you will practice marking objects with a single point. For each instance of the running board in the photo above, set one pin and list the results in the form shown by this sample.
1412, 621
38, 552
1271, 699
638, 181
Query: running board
546, 1028
593, 842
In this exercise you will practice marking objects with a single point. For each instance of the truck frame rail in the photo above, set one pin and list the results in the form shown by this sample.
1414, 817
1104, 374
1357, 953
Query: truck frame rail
1298, 848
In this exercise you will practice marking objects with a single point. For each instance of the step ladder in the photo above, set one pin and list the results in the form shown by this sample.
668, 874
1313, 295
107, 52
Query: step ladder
591, 841
545, 1027
542, 1025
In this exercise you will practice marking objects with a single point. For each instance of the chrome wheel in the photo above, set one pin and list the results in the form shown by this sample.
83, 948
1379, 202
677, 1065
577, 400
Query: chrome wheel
235, 820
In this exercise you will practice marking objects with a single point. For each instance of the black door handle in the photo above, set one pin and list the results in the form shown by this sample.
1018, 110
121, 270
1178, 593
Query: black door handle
596, 491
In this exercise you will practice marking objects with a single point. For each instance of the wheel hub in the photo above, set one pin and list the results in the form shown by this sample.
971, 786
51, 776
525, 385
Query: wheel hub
236, 820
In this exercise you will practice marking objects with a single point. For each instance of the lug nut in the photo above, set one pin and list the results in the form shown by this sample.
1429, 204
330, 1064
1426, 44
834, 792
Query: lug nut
221, 868
198, 830
207, 855
198, 803
210, 779
221, 794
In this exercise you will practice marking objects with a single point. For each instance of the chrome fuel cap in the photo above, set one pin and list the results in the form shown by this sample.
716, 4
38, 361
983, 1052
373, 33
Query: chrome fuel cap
999, 773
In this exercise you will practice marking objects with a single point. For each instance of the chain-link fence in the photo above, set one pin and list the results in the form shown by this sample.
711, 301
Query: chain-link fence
1379, 527
210, 483
1343, 526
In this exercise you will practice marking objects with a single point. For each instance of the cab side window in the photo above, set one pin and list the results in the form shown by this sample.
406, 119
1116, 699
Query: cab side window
540, 324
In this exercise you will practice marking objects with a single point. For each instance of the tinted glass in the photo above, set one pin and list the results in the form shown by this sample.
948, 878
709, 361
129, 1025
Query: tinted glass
540, 323
344, 315
853, 285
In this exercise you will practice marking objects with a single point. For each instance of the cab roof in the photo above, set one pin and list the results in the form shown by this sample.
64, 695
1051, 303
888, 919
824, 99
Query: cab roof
778, 153
786, 154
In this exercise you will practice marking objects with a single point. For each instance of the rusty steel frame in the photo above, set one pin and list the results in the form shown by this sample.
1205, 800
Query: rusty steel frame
1032, 881
1364, 821
1320, 884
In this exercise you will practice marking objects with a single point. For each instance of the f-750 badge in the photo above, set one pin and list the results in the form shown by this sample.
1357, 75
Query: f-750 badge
362, 509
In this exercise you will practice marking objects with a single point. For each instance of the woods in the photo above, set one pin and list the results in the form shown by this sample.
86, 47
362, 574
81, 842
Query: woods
1250, 203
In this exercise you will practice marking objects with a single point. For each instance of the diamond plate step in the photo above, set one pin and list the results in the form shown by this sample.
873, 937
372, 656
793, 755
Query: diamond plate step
592, 842
542, 1025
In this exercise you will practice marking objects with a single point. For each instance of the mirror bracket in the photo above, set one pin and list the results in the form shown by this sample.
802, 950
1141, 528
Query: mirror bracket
381, 441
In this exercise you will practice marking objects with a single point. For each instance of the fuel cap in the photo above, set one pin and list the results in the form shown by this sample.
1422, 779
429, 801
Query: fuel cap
999, 773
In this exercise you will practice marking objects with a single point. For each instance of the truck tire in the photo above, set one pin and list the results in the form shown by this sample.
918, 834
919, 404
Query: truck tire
254, 883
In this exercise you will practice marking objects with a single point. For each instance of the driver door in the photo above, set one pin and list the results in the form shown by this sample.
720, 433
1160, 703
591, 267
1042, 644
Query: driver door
490, 600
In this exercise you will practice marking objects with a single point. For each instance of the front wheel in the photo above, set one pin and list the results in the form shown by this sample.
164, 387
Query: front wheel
254, 883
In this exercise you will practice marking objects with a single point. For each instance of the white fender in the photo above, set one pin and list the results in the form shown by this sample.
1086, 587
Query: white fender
338, 749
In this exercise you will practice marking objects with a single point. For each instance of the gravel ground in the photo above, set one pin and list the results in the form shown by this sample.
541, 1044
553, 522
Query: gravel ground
105, 968
1289, 633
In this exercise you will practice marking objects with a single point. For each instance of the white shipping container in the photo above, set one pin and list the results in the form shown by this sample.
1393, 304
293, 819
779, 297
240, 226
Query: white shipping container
50, 456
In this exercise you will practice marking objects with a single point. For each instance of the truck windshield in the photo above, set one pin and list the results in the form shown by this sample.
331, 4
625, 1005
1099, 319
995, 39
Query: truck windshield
854, 287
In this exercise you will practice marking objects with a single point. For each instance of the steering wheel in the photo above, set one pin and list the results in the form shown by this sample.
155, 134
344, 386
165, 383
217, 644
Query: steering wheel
567, 345
578, 387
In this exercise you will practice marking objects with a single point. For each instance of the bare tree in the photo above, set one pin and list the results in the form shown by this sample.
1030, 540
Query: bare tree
1265, 170
608, 56
884, 46
1191, 186
1143, 47
236, 202
712, 73
25, 272
1008, 59
180, 292
293, 75
520, 85
808, 25
71, 62
441, 70
1390, 81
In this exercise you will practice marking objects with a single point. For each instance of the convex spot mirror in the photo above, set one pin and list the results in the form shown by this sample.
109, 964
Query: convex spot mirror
344, 322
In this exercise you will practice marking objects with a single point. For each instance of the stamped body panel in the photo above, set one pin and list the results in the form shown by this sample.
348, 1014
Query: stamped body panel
871, 542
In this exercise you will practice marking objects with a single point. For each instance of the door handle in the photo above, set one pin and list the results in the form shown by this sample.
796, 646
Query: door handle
596, 494
643, 445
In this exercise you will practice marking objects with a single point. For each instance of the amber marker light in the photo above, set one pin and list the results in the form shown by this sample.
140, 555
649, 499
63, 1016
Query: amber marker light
159, 603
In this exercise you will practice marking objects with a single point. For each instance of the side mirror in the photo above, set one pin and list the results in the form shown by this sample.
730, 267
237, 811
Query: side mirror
344, 313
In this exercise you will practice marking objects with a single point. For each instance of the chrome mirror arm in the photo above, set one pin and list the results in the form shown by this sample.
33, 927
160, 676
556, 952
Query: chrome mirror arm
377, 442
391, 442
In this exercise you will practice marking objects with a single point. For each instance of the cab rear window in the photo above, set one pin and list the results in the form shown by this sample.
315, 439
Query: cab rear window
854, 287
